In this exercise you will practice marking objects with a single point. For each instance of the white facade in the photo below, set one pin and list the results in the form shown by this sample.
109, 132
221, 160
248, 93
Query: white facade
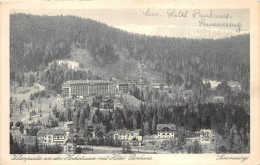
125, 134
88, 88
121, 136
205, 136
165, 135
165, 131
47, 139
51, 137
58, 138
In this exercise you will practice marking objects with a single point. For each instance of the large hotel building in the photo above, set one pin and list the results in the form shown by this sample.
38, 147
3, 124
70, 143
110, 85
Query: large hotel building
90, 88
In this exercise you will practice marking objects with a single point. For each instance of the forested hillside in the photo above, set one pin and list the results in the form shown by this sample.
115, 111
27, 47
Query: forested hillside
37, 40
193, 83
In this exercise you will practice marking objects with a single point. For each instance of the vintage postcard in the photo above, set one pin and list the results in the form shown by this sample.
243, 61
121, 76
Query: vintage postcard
130, 82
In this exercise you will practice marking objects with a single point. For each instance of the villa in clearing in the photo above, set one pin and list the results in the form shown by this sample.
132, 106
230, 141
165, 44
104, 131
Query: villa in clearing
166, 131
51, 136
205, 136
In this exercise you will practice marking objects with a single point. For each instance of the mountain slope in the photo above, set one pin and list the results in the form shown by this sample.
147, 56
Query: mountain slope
38, 40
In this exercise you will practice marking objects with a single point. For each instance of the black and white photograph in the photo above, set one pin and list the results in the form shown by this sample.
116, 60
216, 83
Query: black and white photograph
129, 81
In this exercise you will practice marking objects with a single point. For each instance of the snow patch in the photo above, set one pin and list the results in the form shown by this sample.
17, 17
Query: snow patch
70, 64
180, 31
213, 83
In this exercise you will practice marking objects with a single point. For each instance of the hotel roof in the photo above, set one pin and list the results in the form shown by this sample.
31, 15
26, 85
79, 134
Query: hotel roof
122, 131
88, 82
170, 126
51, 131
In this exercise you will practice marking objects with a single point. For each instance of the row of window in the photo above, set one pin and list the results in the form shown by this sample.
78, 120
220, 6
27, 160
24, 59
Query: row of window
59, 137
164, 131
49, 141
85, 91
54, 137
165, 134
90, 87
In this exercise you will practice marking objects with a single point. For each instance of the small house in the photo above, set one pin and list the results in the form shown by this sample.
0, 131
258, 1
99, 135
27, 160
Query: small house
135, 140
68, 125
51, 136
69, 146
100, 134
205, 136
234, 85
121, 134
165, 131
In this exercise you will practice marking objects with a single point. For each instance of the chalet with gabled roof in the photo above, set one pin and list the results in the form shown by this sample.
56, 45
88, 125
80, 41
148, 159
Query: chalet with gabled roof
166, 131
69, 146
135, 140
121, 134
99, 134
51, 136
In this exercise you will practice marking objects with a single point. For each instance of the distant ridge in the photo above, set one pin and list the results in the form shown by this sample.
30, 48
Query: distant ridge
181, 31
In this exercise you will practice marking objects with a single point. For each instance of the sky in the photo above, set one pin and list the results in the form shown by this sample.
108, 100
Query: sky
141, 21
